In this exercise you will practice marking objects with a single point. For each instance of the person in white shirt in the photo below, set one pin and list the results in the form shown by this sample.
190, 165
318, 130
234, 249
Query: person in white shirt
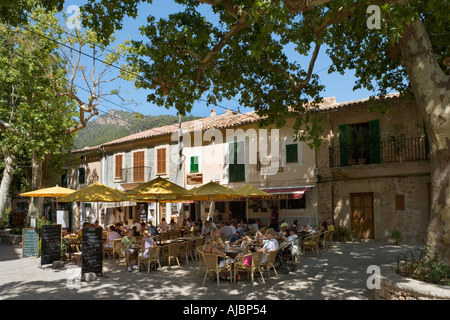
225, 230
270, 245
213, 225
164, 225
112, 235
206, 229
137, 225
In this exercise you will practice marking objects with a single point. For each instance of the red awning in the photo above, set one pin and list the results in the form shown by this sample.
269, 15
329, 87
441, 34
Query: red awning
287, 192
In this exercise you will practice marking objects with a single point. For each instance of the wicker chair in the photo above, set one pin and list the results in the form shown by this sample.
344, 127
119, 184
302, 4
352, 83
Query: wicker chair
119, 250
200, 252
198, 243
154, 255
270, 263
251, 269
171, 252
164, 236
328, 240
312, 242
186, 250
212, 265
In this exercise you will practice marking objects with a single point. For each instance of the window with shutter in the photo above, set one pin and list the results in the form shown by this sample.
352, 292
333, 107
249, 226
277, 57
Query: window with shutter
118, 166
236, 167
138, 166
194, 164
161, 161
291, 153
82, 175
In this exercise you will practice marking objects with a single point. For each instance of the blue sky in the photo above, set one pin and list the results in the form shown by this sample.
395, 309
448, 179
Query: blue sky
336, 85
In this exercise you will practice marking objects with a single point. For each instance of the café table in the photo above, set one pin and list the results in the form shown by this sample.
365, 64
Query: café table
170, 241
233, 252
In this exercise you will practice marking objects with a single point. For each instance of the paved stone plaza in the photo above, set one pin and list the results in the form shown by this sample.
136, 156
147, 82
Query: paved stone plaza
339, 274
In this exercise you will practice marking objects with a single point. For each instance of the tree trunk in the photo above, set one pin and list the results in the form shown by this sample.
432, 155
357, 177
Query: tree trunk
36, 203
431, 87
6, 181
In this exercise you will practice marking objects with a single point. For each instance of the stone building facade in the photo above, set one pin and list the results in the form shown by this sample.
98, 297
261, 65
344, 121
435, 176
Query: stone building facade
390, 188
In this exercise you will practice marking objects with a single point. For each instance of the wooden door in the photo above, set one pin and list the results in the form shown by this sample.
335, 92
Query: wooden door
362, 215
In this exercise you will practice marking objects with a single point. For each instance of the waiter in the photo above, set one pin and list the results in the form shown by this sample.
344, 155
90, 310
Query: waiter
274, 218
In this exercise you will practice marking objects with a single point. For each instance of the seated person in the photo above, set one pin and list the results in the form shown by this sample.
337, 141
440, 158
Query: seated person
127, 241
260, 234
283, 231
225, 229
238, 236
152, 230
330, 224
112, 235
147, 242
292, 237
210, 247
135, 232
206, 229
164, 226
323, 227
217, 240
272, 244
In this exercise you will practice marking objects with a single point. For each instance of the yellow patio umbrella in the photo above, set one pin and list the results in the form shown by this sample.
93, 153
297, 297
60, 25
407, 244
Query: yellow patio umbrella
52, 192
95, 192
251, 191
213, 191
161, 190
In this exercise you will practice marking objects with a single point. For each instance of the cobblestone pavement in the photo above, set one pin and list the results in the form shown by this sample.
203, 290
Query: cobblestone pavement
338, 274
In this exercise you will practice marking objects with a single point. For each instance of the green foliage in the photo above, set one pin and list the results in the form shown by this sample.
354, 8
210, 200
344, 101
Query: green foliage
342, 234
427, 270
211, 64
5, 219
396, 236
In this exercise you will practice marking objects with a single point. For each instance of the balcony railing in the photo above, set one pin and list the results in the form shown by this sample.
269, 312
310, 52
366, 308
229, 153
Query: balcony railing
133, 175
389, 151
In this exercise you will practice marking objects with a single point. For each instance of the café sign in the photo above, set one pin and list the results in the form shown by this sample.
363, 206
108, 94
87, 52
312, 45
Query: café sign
194, 178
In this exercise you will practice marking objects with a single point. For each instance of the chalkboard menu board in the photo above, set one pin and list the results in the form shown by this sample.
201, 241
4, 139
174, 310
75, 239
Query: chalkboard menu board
91, 251
30, 243
51, 243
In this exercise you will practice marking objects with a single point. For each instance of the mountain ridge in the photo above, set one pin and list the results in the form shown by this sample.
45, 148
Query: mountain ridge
117, 124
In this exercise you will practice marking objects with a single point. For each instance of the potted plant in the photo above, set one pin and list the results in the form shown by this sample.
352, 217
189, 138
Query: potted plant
396, 236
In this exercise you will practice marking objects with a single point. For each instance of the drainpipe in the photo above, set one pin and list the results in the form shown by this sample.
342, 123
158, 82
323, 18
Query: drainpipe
332, 178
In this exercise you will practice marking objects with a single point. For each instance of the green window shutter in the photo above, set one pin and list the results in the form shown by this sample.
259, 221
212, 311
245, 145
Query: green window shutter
81, 175
194, 164
427, 142
374, 138
344, 134
236, 170
291, 153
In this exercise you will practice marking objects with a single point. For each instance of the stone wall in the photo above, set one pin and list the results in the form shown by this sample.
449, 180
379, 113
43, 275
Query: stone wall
410, 179
396, 287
